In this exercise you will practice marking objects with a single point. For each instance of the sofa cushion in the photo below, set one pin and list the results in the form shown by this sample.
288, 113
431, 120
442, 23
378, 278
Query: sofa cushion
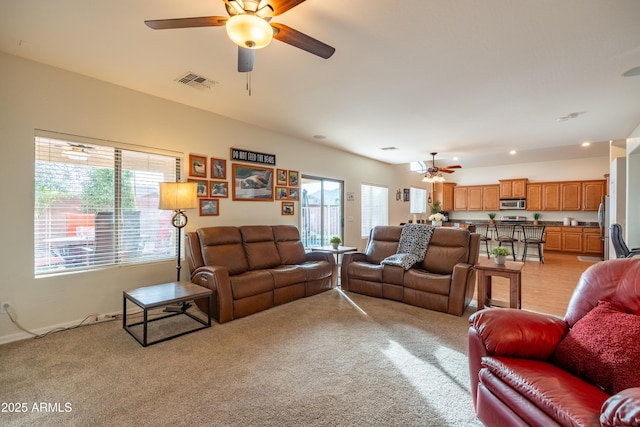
448, 247
383, 242
563, 396
223, 246
259, 246
251, 283
622, 409
290, 249
603, 348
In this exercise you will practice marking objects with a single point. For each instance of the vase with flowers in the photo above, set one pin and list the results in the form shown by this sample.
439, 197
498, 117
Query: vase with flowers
436, 219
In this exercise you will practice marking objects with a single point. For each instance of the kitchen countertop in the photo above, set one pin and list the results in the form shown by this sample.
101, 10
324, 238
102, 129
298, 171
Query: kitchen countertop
546, 223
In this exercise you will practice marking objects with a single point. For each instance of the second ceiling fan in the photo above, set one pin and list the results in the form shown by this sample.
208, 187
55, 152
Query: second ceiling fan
248, 25
434, 173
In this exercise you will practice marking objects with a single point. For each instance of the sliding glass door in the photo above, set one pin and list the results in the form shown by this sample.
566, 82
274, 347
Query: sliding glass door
321, 210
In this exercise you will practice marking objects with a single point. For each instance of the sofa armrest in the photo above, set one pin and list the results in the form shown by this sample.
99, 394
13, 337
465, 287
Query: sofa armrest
320, 256
462, 283
622, 409
347, 259
518, 333
216, 278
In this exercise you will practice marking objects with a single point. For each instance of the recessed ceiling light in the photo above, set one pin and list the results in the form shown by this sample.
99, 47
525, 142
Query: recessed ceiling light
512, 152
586, 144
456, 158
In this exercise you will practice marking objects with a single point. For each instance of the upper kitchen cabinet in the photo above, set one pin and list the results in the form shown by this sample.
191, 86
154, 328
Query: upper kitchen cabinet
443, 191
460, 198
570, 196
513, 188
551, 196
534, 197
592, 192
491, 198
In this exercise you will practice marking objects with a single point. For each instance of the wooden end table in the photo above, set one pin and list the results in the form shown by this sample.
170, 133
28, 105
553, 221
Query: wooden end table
150, 297
512, 270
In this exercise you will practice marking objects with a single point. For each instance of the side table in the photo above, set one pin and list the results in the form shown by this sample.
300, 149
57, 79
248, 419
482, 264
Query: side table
150, 297
512, 270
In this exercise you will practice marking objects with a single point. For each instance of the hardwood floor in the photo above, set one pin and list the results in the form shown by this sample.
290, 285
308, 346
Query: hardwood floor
546, 288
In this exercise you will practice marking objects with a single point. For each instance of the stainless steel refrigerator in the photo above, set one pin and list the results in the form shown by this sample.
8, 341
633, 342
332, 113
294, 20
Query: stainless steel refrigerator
603, 223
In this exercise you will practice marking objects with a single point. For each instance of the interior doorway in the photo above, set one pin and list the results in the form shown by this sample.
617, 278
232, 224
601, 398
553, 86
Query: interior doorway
321, 212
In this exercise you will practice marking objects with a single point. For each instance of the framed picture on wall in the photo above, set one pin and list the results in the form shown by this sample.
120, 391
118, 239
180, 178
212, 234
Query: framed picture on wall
218, 189
218, 168
209, 207
282, 193
281, 176
293, 179
197, 166
294, 194
252, 182
203, 187
287, 208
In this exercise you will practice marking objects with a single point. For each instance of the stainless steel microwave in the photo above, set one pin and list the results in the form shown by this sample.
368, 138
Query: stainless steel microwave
508, 204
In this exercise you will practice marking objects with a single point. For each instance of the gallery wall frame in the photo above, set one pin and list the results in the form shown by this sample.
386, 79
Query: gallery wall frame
218, 189
209, 207
218, 168
197, 166
203, 186
288, 208
252, 183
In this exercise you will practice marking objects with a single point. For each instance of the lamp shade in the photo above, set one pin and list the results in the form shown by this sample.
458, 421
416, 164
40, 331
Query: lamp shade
249, 31
178, 195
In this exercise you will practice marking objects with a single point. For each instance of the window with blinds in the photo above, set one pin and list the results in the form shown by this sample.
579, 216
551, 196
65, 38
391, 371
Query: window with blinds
418, 197
96, 205
374, 207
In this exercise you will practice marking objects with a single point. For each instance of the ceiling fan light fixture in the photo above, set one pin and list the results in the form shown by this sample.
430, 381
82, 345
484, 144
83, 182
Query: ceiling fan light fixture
249, 31
433, 177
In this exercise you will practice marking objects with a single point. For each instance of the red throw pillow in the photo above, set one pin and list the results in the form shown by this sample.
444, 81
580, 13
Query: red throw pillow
603, 347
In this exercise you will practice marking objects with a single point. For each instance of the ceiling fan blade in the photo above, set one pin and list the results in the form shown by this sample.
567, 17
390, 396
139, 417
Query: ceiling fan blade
453, 167
203, 21
302, 41
281, 6
445, 170
245, 59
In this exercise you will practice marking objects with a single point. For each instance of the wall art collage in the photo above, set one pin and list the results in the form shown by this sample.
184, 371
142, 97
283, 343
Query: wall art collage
249, 183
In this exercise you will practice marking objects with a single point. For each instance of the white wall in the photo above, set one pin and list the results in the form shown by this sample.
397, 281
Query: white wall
35, 96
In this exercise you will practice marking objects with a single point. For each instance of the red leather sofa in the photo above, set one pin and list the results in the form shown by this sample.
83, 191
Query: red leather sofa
532, 369
255, 267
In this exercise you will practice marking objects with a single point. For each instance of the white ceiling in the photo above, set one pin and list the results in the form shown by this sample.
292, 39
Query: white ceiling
466, 78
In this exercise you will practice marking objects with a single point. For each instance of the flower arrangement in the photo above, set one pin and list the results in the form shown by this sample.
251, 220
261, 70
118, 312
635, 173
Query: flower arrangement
500, 251
436, 217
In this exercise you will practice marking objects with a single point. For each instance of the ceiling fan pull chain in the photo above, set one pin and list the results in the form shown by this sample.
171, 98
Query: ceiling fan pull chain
248, 87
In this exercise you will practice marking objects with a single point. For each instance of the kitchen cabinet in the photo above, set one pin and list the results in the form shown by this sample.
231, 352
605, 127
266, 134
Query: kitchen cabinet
491, 198
553, 239
443, 191
513, 188
551, 196
570, 196
474, 198
534, 197
592, 192
460, 196
572, 239
592, 243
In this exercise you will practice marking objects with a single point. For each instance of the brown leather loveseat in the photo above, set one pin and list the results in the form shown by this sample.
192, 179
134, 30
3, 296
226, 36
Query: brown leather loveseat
255, 267
444, 281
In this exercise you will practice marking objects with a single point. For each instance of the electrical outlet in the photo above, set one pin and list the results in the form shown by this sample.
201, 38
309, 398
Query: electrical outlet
3, 310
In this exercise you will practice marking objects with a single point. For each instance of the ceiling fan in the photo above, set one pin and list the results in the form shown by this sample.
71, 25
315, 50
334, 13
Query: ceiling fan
434, 173
249, 26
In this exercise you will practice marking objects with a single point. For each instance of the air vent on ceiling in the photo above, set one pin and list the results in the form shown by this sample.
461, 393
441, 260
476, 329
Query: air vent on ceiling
389, 148
196, 81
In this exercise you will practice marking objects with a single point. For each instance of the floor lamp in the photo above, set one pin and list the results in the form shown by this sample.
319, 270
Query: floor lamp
178, 196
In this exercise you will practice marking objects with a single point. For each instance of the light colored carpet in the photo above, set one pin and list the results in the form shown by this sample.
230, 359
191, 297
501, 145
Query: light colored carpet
333, 359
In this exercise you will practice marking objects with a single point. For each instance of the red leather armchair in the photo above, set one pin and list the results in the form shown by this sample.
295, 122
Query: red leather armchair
518, 359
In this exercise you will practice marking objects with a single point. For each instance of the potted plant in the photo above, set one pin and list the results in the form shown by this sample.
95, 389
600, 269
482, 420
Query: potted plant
536, 217
335, 241
436, 219
435, 207
500, 254
491, 217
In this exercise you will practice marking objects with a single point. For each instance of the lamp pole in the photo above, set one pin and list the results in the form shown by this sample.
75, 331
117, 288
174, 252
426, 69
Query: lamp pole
179, 220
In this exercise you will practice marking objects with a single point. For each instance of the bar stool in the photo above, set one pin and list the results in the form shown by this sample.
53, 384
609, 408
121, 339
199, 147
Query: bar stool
483, 230
504, 234
533, 235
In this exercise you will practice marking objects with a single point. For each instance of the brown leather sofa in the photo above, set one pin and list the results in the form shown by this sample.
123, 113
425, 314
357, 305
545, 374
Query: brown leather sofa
444, 281
255, 267
533, 369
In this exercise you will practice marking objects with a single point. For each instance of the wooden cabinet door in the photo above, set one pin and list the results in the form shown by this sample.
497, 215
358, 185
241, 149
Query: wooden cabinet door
592, 192
506, 189
460, 199
553, 238
551, 196
443, 191
570, 196
491, 198
474, 199
519, 188
534, 197
572, 239
591, 241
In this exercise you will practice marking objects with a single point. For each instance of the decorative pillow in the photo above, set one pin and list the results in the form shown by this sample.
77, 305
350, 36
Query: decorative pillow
602, 347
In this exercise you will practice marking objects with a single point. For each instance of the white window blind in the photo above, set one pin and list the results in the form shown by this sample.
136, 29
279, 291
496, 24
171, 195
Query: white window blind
418, 197
97, 205
374, 207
